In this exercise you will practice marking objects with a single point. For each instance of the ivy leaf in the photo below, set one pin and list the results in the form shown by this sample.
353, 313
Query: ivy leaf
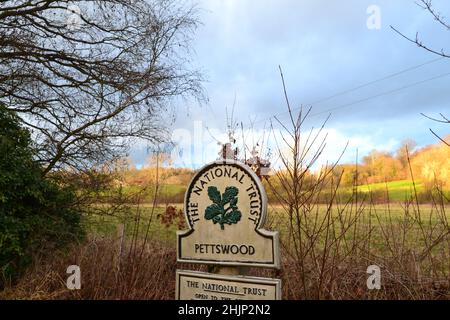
229, 194
212, 211
214, 195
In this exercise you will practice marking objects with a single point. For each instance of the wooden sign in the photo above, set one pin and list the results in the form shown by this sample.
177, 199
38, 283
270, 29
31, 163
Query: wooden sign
225, 207
192, 285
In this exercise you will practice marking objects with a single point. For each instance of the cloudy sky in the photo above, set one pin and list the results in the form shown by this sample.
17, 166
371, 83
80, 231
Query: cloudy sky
336, 57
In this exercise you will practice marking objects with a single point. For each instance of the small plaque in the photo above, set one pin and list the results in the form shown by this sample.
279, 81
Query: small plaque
193, 285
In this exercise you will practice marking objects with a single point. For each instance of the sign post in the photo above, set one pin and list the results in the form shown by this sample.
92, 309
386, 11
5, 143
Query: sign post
226, 207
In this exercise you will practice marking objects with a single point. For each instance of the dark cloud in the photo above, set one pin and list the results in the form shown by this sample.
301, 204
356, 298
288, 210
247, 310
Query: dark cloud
324, 48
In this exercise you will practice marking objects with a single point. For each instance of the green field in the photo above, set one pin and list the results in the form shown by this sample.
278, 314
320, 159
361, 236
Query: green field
138, 219
380, 218
397, 190
391, 216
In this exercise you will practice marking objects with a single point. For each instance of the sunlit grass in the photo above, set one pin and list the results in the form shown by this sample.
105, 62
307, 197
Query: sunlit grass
397, 190
379, 218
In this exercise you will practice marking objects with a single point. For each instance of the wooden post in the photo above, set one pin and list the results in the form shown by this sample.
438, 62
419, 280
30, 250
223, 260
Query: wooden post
120, 238
229, 271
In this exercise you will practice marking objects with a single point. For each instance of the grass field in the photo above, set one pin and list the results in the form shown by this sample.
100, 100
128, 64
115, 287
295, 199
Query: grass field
377, 217
333, 267
397, 190
106, 225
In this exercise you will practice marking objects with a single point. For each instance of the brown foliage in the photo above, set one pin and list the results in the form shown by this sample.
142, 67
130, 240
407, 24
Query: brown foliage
173, 216
104, 274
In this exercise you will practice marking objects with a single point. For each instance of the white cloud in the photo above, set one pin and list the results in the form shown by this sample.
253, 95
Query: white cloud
324, 47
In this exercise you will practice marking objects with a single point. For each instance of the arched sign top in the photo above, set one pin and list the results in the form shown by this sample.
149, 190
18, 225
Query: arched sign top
226, 183
225, 207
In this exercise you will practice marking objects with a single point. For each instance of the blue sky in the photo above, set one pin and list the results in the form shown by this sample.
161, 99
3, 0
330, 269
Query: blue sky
324, 47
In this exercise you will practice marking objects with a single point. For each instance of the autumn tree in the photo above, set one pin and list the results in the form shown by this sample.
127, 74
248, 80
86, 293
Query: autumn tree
381, 166
404, 151
89, 77
432, 164
346, 174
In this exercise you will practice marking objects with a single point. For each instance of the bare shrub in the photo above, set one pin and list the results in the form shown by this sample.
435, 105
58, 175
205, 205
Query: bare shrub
328, 245
104, 274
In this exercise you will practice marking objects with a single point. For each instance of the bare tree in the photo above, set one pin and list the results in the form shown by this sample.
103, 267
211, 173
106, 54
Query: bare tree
443, 120
439, 18
428, 6
89, 76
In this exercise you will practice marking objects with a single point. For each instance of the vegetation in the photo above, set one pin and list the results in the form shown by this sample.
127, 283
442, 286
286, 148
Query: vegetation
387, 177
35, 213
78, 92
330, 231
389, 236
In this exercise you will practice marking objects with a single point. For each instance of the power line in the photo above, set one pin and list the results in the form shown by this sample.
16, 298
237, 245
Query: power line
377, 80
381, 94
363, 86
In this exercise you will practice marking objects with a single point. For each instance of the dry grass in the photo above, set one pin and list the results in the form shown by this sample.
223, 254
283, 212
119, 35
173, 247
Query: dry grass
146, 273
105, 276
